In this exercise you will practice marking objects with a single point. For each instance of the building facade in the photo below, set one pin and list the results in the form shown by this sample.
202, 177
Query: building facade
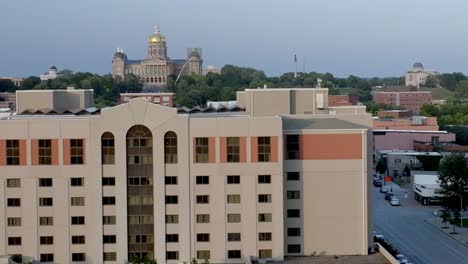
405, 139
157, 66
50, 75
342, 100
417, 76
165, 99
281, 178
412, 101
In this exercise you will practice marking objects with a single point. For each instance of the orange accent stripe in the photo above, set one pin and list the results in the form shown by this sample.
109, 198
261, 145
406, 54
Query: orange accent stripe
23, 152
331, 147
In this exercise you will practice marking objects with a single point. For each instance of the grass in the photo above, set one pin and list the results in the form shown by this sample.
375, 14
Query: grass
465, 223
439, 93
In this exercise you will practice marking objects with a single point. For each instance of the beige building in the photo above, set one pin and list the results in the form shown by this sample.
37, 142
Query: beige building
165, 99
417, 75
280, 175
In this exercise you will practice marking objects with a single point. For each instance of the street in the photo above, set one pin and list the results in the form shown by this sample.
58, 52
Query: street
404, 227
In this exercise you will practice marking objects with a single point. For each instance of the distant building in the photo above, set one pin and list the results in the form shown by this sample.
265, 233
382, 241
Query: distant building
157, 66
219, 104
404, 139
398, 160
165, 99
342, 100
412, 123
211, 69
17, 81
436, 145
409, 100
426, 187
50, 75
8, 100
399, 89
417, 75
395, 114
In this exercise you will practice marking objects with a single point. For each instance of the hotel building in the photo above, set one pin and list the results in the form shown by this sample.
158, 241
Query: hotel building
282, 174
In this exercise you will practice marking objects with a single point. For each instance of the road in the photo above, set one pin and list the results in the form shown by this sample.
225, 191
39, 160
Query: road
404, 227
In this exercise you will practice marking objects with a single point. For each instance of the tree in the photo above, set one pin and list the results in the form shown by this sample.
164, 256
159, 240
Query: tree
462, 88
135, 259
407, 171
30, 82
7, 86
380, 167
445, 215
431, 81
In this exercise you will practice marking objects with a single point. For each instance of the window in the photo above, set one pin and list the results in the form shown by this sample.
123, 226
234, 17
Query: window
170, 180
293, 195
294, 232
262, 179
172, 219
203, 218
264, 149
77, 201
234, 254
108, 200
233, 149
46, 201
14, 241
231, 237
172, 238
74, 182
203, 254
172, 255
109, 220
76, 151
264, 198
293, 176
201, 150
140, 200
233, 218
109, 239
265, 253
140, 219
292, 147
13, 202
264, 217
203, 199
204, 237
78, 256
49, 257
46, 220
12, 152
108, 148
110, 256
170, 148
264, 236
78, 240
14, 221
78, 220
45, 151
294, 248
172, 199
45, 182
140, 239
233, 198
140, 181
46, 240
13, 183
294, 213
108, 181
203, 179
233, 179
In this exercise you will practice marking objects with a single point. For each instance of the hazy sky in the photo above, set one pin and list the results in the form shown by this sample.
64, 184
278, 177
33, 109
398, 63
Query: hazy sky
360, 37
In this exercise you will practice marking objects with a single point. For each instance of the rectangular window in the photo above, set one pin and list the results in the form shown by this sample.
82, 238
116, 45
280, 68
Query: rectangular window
78, 220
109, 239
172, 199
203, 254
172, 219
293, 195
13, 202
265, 253
204, 237
293, 176
76, 151
201, 150
77, 201
264, 198
140, 181
203, 199
110, 256
233, 198
292, 147
264, 179
13, 183
46, 201
203, 180
294, 232
264, 217
203, 218
75, 182
78, 240
109, 220
14, 241
264, 236
45, 151
12, 152
232, 237
108, 181
172, 238
172, 255
78, 257
170, 180
49, 257
140, 219
233, 179
234, 254
108, 200
294, 213
45, 182
14, 221
233, 218
233, 149
46, 220
46, 240
294, 248
264, 149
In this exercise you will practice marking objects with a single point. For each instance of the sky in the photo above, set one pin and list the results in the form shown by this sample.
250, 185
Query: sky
366, 38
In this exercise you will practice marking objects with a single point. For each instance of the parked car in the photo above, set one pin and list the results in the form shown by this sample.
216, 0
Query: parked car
384, 189
388, 195
377, 183
401, 258
394, 201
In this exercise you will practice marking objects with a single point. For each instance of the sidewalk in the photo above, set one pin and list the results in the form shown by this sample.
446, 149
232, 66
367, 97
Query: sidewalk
462, 233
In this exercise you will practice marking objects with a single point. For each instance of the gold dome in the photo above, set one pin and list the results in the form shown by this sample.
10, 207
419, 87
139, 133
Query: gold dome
156, 37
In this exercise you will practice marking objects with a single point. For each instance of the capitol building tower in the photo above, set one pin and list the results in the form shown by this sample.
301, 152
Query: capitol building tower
157, 66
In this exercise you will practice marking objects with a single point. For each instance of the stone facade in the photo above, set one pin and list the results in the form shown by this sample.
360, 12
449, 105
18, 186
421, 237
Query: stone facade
417, 75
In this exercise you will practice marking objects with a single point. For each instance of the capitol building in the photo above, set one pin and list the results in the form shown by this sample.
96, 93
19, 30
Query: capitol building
157, 66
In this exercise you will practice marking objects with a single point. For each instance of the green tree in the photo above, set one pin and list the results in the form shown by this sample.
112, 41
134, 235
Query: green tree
462, 88
380, 167
446, 216
30, 82
7, 86
431, 81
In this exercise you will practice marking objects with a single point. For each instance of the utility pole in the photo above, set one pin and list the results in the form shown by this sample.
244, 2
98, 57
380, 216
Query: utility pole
295, 63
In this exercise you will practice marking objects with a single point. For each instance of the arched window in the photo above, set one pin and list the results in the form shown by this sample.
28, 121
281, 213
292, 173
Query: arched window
170, 147
108, 148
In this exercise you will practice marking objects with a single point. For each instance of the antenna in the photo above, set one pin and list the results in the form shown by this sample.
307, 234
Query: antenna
295, 63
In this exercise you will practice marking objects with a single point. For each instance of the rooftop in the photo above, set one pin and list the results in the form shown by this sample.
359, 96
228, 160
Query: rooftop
329, 123
376, 258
